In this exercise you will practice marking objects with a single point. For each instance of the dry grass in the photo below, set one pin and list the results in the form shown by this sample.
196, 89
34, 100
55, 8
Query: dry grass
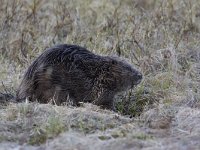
159, 37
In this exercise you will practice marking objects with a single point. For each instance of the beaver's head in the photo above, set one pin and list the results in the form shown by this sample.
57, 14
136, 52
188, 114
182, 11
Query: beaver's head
123, 74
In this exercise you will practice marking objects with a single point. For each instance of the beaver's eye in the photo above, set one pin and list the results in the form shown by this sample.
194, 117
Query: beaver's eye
114, 62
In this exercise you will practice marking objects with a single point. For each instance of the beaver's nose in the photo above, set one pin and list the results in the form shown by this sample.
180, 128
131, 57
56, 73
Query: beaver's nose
139, 76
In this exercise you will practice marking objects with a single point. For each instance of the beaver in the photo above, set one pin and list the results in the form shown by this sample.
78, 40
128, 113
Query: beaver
70, 72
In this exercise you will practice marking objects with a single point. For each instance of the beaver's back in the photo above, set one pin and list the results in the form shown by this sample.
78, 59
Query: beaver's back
58, 72
64, 54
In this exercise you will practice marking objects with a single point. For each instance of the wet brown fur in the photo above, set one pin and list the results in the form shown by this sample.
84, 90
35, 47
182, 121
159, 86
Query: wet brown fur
70, 72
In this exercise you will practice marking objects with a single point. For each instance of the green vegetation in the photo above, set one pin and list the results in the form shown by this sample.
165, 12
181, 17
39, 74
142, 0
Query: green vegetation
50, 129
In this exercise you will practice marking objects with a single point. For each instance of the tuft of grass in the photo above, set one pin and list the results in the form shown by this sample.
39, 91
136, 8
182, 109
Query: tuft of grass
142, 136
119, 134
103, 137
20, 111
50, 129
37, 137
12, 113
54, 126
137, 101
89, 124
